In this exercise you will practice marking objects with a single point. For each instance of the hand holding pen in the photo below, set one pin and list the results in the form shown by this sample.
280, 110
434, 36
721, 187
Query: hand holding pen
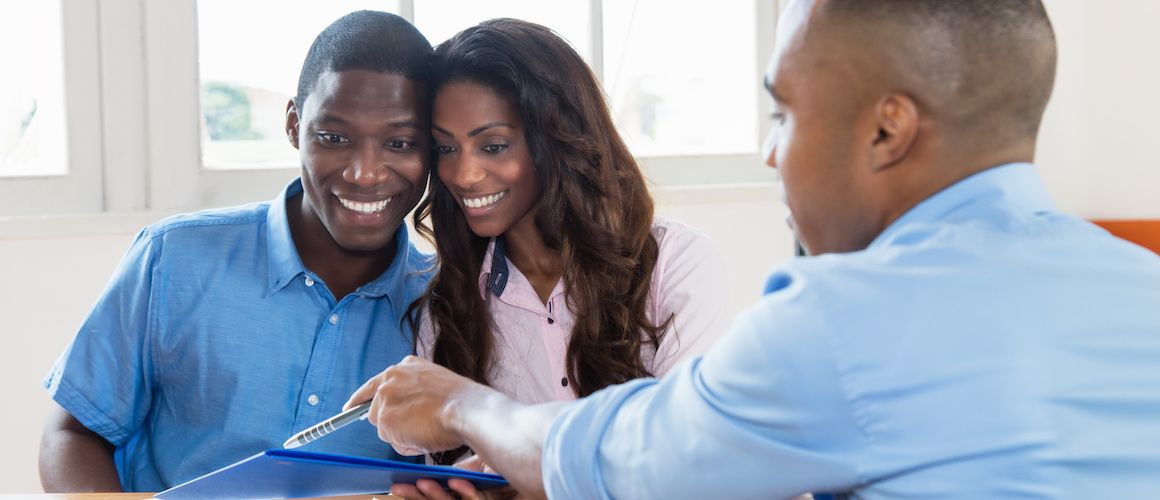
410, 403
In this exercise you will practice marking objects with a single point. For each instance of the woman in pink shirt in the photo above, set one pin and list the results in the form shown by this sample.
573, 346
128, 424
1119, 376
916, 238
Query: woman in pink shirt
555, 279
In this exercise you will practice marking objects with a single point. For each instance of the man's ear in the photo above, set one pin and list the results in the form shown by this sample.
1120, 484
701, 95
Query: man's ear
897, 118
292, 123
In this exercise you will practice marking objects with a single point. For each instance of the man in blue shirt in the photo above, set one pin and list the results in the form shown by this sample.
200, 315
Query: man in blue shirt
224, 332
955, 335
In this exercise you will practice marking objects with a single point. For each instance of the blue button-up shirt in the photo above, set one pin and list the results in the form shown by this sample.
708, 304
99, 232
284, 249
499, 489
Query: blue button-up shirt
984, 346
213, 342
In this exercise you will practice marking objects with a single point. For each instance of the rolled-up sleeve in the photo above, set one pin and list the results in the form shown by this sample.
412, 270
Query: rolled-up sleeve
761, 415
104, 378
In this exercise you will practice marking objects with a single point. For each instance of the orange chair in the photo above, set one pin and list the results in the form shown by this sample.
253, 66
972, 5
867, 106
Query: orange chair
1143, 232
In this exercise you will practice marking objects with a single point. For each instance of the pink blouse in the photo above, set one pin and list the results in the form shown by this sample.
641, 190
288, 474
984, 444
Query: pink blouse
532, 337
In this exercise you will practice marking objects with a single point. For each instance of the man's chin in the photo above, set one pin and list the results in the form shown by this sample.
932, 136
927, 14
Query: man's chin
789, 219
800, 245
365, 244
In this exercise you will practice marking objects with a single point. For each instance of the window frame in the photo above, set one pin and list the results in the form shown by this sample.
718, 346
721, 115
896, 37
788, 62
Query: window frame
79, 189
132, 75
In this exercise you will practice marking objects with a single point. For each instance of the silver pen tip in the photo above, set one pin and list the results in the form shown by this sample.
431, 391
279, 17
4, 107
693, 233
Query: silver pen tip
291, 443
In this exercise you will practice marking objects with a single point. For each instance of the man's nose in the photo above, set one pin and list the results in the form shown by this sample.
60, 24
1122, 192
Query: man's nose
368, 166
769, 147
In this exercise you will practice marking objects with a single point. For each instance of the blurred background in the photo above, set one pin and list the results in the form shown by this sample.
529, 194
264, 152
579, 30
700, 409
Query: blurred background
116, 113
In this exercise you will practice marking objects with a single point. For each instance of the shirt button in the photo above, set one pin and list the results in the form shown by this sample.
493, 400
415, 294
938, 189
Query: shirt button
309, 281
313, 399
564, 382
333, 319
551, 321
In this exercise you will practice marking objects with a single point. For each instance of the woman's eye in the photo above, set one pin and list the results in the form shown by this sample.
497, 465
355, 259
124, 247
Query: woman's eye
328, 138
444, 150
495, 148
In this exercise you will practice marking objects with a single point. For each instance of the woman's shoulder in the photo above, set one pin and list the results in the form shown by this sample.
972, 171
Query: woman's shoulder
674, 236
686, 256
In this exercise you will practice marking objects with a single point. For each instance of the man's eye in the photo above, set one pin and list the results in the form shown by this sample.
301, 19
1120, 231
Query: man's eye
495, 148
332, 138
399, 145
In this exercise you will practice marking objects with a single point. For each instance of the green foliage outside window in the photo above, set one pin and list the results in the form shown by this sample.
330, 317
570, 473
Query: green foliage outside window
227, 112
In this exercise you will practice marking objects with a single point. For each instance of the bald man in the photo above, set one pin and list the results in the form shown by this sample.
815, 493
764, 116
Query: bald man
955, 335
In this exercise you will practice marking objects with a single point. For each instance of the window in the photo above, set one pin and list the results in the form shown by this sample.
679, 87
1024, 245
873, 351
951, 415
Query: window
243, 104
50, 121
681, 79
124, 106
440, 19
32, 123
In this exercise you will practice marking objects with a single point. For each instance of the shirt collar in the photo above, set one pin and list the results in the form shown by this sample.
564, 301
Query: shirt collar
505, 282
283, 261
285, 264
405, 279
495, 264
392, 283
493, 272
1011, 188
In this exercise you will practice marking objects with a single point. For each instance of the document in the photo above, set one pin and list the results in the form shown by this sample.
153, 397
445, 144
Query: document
297, 474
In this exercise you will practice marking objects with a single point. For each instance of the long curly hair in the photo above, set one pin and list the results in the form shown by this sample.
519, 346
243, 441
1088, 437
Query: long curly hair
594, 208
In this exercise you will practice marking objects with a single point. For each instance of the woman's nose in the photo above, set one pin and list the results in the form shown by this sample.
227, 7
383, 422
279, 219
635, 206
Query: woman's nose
460, 171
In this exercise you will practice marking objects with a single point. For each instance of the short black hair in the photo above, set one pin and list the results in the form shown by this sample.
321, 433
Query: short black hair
368, 40
987, 61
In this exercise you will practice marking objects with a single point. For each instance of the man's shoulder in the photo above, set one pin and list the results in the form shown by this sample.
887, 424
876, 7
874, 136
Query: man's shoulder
420, 266
835, 292
210, 223
934, 270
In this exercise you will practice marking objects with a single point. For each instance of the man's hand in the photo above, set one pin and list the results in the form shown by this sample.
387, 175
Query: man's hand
420, 407
412, 405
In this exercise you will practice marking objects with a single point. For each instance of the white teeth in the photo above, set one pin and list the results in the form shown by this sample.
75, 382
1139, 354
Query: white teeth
365, 207
484, 201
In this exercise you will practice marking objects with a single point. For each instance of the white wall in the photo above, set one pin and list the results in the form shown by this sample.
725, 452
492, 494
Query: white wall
1098, 145
1095, 152
51, 284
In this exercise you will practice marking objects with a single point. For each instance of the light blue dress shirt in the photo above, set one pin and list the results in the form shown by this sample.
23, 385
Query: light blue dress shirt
984, 346
213, 342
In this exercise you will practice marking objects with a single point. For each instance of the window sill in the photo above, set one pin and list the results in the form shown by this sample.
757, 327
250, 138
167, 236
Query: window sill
119, 223
77, 225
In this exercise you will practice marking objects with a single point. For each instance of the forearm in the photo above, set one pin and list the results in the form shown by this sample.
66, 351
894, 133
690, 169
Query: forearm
76, 460
508, 435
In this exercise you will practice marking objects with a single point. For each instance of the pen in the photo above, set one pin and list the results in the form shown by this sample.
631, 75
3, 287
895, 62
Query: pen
328, 426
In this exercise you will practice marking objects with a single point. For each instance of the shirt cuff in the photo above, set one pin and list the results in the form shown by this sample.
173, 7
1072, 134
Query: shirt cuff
570, 462
77, 405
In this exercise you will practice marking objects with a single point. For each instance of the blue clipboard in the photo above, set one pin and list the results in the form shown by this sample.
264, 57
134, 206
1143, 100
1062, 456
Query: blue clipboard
297, 474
